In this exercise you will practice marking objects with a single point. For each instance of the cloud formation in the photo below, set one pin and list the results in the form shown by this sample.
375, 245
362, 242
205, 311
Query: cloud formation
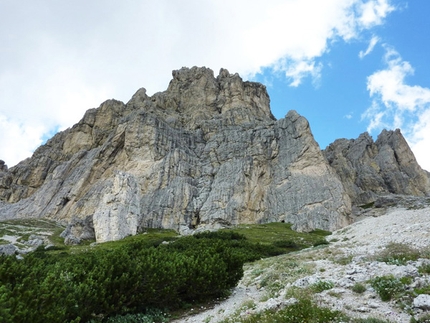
373, 41
396, 104
59, 59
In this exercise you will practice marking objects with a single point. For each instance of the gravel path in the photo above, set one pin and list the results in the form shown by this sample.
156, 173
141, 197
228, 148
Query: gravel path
354, 244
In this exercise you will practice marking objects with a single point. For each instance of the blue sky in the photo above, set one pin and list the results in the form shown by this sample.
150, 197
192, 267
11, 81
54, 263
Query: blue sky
336, 102
348, 66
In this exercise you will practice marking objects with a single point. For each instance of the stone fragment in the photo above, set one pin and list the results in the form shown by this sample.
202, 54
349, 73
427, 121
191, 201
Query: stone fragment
422, 302
8, 249
71, 240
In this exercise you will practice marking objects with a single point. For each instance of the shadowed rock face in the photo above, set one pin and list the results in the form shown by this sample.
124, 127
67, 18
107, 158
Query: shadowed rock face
369, 168
206, 152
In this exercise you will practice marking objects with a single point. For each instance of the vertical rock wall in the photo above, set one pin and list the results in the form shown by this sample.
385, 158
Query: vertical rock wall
204, 153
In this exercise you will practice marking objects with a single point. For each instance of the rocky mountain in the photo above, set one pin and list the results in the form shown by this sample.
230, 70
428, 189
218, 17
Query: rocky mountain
368, 169
204, 153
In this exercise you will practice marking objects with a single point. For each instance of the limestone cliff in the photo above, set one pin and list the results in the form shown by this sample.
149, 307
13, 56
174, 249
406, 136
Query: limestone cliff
368, 169
205, 152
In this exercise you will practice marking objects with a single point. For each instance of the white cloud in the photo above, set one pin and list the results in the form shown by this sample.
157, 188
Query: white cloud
375, 115
297, 70
373, 41
59, 59
420, 139
373, 12
389, 85
15, 135
349, 116
395, 104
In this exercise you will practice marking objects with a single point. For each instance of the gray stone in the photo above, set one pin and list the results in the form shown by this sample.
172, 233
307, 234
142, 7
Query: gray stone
8, 249
422, 302
306, 281
35, 242
71, 240
83, 229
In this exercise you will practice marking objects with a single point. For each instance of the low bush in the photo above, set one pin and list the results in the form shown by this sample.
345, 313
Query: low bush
151, 316
66, 287
424, 269
358, 288
302, 311
370, 320
320, 242
387, 287
398, 254
321, 286
289, 244
422, 319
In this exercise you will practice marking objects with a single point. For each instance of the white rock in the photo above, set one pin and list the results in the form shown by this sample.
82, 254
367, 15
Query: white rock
422, 301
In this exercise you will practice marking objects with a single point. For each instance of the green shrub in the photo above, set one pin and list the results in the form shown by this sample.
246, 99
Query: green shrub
398, 254
423, 319
370, 320
368, 205
320, 242
387, 287
220, 234
358, 288
344, 260
321, 286
52, 287
302, 311
285, 244
151, 316
422, 290
424, 269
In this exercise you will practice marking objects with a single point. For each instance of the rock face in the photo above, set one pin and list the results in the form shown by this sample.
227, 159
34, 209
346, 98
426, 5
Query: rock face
368, 169
205, 152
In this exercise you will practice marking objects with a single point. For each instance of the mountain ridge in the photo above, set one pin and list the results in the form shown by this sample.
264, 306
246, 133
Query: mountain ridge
206, 152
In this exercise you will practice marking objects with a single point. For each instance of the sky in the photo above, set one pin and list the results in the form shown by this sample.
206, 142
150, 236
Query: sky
348, 66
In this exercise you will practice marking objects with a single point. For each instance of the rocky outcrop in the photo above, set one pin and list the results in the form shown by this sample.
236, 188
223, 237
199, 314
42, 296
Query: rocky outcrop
369, 169
205, 152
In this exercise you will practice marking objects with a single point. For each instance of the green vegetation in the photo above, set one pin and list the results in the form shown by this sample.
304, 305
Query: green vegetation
302, 311
398, 254
281, 235
423, 319
359, 288
388, 287
21, 229
343, 260
424, 269
151, 316
368, 205
370, 320
321, 286
121, 281
128, 279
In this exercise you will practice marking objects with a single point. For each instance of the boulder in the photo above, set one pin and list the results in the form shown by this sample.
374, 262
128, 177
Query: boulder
422, 302
8, 249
